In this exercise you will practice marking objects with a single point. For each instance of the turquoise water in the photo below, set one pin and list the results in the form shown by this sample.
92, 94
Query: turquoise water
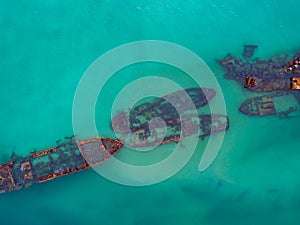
45, 49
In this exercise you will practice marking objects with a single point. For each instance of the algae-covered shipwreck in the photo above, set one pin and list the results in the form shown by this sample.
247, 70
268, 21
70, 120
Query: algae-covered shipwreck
139, 128
65, 158
278, 75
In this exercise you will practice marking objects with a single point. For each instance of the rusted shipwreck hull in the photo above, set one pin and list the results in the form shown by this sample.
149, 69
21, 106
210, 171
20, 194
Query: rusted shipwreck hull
203, 126
140, 128
65, 158
269, 75
163, 108
282, 104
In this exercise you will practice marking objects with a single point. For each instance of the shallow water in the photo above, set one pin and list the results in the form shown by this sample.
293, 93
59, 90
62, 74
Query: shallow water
45, 49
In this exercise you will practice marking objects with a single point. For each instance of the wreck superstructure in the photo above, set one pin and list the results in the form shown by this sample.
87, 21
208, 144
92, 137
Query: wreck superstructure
65, 158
